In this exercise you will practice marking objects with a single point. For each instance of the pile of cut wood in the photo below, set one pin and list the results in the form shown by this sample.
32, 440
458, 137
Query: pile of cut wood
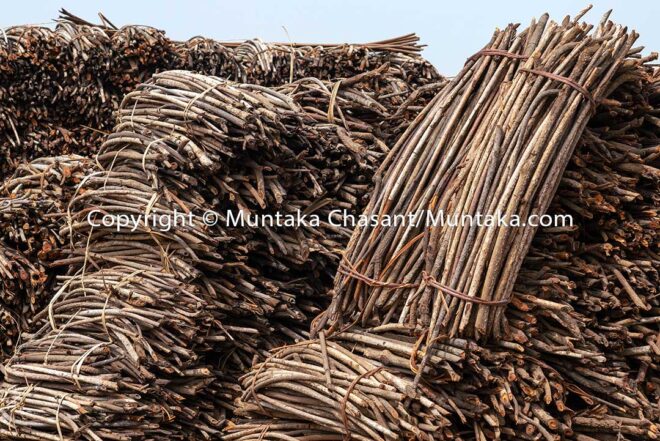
389, 331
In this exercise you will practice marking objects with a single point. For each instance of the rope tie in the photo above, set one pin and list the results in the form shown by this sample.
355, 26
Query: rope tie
543, 73
569, 82
432, 282
498, 53
349, 270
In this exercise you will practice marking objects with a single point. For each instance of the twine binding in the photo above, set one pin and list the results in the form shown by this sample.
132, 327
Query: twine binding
543, 73
569, 82
349, 270
498, 53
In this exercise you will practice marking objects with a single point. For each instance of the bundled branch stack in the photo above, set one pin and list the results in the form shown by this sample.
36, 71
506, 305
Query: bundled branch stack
586, 298
80, 71
297, 265
495, 142
120, 319
440, 332
573, 353
471, 392
33, 208
59, 88
140, 309
357, 384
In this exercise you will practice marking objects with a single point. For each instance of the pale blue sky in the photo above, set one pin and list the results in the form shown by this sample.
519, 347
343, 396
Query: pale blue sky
452, 30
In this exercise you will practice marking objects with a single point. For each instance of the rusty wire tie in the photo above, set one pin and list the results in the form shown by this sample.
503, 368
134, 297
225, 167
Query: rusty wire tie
348, 269
543, 73
498, 53
569, 82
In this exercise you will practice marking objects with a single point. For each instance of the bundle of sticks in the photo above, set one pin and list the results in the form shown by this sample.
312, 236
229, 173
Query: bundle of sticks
341, 386
33, 208
342, 181
144, 316
585, 301
494, 143
433, 333
574, 352
59, 88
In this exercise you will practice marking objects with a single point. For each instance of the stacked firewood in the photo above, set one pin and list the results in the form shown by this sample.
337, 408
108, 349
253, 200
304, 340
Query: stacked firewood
433, 333
586, 298
33, 208
59, 88
573, 352
157, 309
79, 72
483, 148
298, 270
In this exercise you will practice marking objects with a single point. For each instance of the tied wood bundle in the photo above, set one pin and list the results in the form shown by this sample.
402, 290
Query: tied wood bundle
355, 385
360, 384
297, 267
580, 358
342, 387
586, 299
33, 206
495, 141
117, 350
605, 265
142, 319
303, 164
59, 88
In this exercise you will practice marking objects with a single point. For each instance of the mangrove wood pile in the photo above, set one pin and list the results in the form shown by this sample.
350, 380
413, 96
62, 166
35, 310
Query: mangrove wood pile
59, 87
372, 91
164, 309
568, 315
322, 332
